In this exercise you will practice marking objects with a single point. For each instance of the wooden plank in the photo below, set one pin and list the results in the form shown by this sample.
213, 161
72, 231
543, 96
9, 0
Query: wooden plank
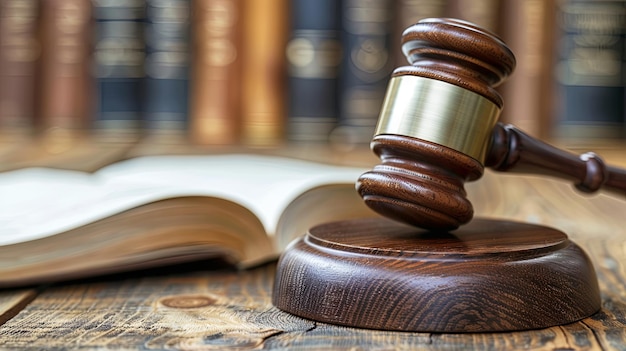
175, 311
13, 301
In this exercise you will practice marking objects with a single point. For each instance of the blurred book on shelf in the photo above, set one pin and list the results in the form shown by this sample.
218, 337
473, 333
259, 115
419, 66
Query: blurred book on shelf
119, 58
528, 28
590, 74
313, 60
20, 51
215, 72
65, 93
263, 75
365, 68
166, 83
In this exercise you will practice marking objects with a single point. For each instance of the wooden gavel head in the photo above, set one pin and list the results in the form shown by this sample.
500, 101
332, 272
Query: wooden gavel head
436, 124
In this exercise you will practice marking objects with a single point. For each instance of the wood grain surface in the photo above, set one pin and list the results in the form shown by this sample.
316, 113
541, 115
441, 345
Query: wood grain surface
487, 276
203, 308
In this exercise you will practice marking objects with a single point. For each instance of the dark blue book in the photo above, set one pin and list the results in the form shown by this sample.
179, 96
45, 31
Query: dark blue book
166, 92
366, 67
591, 69
119, 56
313, 57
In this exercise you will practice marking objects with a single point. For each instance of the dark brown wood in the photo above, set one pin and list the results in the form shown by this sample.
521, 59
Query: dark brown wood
488, 276
513, 150
459, 53
419, 182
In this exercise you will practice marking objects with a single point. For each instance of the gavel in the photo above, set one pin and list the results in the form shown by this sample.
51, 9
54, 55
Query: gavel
438, 128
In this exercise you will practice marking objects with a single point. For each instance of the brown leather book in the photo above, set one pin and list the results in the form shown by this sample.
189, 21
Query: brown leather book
265, 31
19, 53
528, 28
65, 79
216, 30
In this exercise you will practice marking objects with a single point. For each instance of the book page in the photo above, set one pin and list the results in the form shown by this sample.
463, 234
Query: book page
38, 202
264, 184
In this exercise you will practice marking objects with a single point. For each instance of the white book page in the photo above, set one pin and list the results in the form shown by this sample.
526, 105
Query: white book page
36, 202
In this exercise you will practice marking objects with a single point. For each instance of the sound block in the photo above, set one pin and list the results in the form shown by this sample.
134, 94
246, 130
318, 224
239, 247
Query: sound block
487, 276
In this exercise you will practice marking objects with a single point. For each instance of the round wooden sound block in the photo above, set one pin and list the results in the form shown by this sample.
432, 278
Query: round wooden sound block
487, 276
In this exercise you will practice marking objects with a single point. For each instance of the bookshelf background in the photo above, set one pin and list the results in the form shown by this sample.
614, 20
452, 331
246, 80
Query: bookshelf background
87, 82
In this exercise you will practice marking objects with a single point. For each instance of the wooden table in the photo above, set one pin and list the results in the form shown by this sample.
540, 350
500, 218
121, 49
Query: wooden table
207, 306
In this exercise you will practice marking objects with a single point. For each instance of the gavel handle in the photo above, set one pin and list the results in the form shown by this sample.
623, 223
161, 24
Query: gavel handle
513, 150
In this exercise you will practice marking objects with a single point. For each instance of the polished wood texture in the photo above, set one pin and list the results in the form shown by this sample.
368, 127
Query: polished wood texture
200, 308
490, 275
459, 53
420, 182
512, 149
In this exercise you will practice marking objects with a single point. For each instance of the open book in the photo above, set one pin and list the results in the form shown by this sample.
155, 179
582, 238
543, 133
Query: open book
150, 211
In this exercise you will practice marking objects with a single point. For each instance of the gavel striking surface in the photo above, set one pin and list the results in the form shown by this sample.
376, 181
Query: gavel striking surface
489, 275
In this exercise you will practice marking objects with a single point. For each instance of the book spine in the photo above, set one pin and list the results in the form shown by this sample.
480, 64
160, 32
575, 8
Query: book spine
313, 57
19, 55
407, 13
215, 82
528, 28
590, 70
265, 28
64, 79
166, 83
365, 70
119, 56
